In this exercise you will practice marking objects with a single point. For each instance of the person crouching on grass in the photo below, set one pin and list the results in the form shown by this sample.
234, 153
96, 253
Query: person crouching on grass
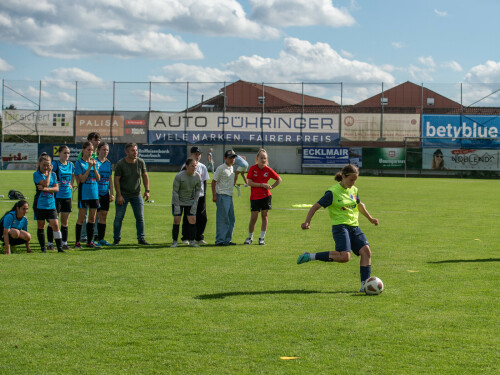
260, 194
222, 195
185, 194
344, 205
15, 227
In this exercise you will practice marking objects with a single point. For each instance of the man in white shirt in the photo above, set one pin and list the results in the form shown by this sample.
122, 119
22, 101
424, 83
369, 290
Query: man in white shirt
201, 211
222, 193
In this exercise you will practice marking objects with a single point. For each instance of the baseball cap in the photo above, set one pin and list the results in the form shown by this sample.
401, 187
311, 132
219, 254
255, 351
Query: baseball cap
230, 154
195, 149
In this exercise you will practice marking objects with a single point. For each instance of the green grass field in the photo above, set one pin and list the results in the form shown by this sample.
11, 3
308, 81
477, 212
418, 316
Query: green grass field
238, 309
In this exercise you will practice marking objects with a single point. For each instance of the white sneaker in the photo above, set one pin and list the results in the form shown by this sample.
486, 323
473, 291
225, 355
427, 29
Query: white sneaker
185, 242
239, 190
248, 241
261, 241
202, 242
193, 244
246, 185
174, 244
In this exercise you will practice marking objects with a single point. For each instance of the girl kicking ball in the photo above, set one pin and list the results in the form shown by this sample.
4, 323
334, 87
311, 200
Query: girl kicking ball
344, 206
260, 194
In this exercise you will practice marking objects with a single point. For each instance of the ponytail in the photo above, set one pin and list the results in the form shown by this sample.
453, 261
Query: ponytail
348, 170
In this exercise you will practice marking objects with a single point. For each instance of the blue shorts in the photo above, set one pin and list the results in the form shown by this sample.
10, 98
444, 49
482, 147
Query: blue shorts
348, 238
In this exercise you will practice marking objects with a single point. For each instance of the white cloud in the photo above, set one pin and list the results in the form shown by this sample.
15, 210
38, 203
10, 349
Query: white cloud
427, 61
300, 13
123, 28
346, 54
441, 13
421, 74
398, 44
192, 73
488, 72
5, 66
301, 60
453, 65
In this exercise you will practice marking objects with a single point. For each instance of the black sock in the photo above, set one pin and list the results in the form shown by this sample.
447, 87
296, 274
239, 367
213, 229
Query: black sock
175, 231
191, 232
90, 232
59, 245
78, 230
64, 233
101, 231
40, 233
50, 234
323, 256
365, 272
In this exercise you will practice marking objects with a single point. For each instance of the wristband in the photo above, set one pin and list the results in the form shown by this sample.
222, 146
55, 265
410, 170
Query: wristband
146, 191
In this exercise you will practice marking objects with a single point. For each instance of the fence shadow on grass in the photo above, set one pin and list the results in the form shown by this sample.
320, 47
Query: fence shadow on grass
466, 260
263, 292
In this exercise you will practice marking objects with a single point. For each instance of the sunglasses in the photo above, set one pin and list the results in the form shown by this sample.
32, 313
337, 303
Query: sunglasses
439, 156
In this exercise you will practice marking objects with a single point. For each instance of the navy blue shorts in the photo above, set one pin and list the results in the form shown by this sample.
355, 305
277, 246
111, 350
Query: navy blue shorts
103, 203
89, 203
348, 238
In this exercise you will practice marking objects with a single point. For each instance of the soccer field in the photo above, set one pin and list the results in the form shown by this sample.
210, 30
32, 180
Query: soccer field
240, 309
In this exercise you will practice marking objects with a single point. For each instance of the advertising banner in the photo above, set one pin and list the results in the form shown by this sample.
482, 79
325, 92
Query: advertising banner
152, 154
455, 131
391, 158
325, 157
117, 127
244, 128
366, 126
18, 153
23, 122
461, 159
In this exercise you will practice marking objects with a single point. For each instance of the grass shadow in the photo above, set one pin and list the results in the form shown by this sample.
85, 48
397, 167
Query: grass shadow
466, 260
268, 292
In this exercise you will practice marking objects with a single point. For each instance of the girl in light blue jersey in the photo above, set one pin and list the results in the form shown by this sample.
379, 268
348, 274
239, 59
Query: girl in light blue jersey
344, 205
15, 227
65, 173
87, 175
105, 188
44, 204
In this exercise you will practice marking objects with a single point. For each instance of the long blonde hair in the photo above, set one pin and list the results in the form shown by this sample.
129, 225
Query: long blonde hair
43, 157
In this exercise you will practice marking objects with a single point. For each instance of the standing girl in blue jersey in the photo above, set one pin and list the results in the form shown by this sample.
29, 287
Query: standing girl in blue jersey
44, 204
15, 227
65, 173
87, 176
344, 205
105, 187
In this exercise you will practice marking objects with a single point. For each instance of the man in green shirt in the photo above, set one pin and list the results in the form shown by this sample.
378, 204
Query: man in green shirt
127, 180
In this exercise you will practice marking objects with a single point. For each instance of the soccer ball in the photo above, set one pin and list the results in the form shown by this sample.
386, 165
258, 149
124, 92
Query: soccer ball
374, 286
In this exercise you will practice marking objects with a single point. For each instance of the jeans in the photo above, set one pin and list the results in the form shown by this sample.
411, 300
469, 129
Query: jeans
138, 207
224, 219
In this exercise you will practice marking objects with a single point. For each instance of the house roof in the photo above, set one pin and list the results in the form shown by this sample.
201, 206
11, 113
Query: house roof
409, 94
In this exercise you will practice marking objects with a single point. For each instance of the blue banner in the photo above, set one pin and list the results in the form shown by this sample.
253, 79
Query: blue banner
460, 131
325, 157
152, 154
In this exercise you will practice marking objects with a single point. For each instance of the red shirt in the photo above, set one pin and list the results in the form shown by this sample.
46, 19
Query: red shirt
260, 176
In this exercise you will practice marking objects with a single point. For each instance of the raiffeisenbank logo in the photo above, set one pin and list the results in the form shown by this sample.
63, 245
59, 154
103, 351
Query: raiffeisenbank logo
59, 119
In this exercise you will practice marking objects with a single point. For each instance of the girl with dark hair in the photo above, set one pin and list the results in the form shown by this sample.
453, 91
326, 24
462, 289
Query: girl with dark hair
44, 204
65, 173
437, 160
15, 227
105, 189
87, 175
185, 194
344, 205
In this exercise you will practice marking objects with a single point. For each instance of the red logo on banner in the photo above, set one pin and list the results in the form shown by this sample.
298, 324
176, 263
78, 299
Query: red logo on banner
462, 152
349, 121
135, 122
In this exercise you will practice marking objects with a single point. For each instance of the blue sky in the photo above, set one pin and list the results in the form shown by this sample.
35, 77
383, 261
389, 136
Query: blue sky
439, 43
